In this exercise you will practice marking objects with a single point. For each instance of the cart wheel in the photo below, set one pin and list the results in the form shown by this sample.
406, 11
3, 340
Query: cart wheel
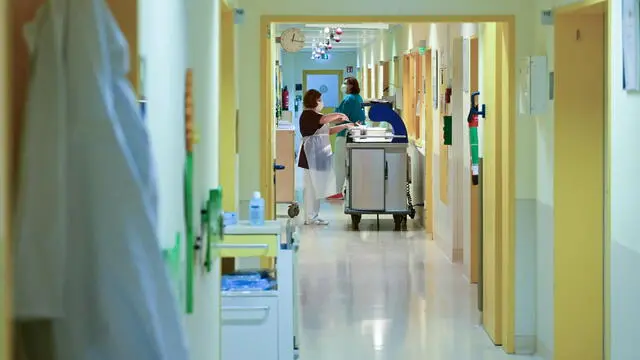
397, 220
293, 210
355, 221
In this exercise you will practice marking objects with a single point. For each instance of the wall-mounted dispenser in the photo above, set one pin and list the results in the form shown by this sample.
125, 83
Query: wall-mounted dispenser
533, 88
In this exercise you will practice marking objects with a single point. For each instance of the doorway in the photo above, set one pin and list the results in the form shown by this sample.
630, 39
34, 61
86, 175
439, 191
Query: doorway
579, 173
328, 82
500, 95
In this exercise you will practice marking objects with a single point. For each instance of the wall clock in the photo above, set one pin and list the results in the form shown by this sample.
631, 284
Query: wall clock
292, 40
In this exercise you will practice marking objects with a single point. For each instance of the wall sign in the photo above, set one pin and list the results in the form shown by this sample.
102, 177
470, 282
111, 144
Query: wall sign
630, 45
349, 69
546, 17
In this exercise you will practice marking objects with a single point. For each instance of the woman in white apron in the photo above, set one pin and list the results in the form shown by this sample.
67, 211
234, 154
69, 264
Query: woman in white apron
316, 156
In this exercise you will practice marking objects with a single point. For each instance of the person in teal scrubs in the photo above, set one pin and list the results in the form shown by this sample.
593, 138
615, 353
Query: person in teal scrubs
351, 106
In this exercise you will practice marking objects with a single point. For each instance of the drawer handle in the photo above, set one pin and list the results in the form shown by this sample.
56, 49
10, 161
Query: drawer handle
241, 246
245, 308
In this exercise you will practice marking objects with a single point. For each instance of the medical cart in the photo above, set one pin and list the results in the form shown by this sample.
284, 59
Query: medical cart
378, 169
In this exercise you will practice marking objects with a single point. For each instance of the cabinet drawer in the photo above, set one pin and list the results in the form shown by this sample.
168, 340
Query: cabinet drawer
249, 246
253, 319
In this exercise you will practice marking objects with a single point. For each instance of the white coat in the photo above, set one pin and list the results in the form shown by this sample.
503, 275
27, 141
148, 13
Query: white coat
87, 256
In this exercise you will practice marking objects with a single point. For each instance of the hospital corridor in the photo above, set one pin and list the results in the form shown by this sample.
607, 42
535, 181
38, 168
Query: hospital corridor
299, 180
383, 295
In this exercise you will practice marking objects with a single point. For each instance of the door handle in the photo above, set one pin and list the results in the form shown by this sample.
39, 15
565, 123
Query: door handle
245, 308
276, 167
242, 246
386, 170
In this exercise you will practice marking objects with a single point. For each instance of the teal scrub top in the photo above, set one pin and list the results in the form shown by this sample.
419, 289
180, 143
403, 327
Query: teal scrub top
351, 106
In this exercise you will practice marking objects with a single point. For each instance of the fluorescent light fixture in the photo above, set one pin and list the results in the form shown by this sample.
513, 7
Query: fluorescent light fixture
364, 26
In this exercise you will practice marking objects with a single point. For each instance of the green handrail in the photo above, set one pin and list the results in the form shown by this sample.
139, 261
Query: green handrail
190, 243
215, 224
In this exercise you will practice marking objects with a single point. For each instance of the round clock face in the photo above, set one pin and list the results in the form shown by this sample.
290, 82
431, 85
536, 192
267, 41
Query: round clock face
292, 40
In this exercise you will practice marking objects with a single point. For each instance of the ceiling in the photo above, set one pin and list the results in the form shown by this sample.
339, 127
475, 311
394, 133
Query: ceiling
354, 35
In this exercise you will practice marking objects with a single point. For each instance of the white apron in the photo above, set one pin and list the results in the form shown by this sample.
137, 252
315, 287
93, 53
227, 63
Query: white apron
86, 252
317, 149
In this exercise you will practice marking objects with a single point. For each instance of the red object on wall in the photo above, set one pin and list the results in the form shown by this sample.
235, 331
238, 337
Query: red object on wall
447, 96
285, 98
474, 121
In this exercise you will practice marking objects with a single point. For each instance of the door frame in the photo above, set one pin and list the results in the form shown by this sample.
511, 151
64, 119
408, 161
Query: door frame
428, 141
228, 145
5, 170
476, 191
505, 258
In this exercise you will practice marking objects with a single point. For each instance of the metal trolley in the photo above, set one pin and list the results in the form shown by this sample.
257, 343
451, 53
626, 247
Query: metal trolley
379, 171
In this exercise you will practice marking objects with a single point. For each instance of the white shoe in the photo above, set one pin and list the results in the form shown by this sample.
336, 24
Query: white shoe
316, 221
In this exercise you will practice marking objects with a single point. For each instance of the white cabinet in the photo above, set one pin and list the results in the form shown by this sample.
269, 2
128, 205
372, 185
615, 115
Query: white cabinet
260, 324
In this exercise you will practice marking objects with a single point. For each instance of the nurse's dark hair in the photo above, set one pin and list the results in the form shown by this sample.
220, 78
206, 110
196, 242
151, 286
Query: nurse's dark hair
310, 99
353, 87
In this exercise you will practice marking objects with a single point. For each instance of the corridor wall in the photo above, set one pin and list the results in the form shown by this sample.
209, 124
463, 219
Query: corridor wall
174, 36
624, 247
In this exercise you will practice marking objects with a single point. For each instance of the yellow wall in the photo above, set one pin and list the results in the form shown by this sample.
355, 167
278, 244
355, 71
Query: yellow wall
579, 186
227, 144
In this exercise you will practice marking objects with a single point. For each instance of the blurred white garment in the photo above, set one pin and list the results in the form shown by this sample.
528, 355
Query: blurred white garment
87, 257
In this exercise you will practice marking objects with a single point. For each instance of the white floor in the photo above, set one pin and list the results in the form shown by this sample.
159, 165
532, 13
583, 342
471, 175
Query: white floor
384, 295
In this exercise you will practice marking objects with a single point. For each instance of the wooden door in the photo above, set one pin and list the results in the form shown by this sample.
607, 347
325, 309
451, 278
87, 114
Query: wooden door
369, 82
408, 107
418, 91
579, 167
385, 79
